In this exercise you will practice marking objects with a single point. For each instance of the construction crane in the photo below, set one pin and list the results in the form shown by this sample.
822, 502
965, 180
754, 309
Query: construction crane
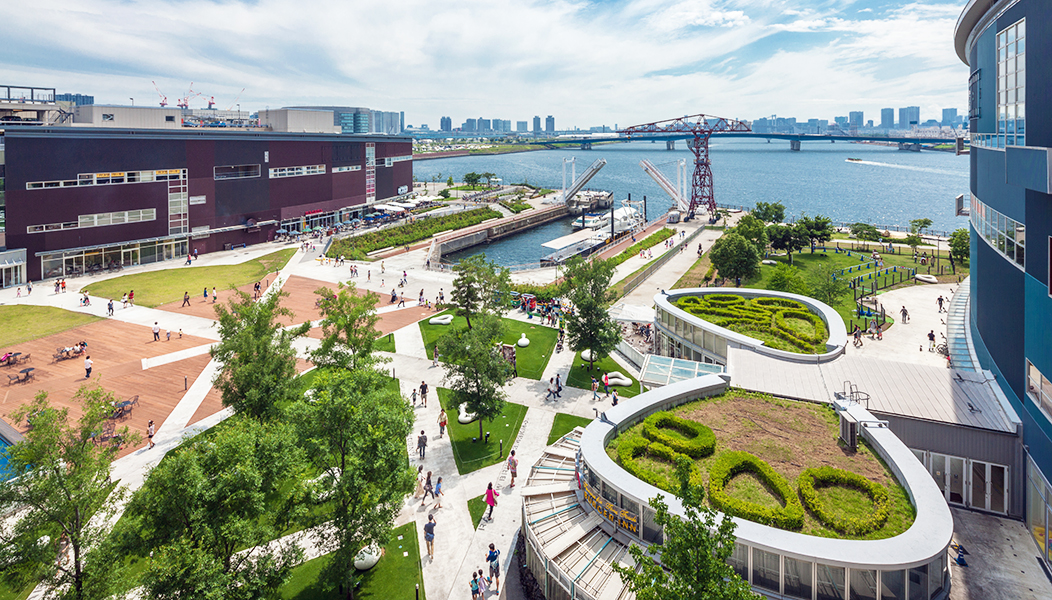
211, 102
164, 99
184, 102
701, 127
236, 99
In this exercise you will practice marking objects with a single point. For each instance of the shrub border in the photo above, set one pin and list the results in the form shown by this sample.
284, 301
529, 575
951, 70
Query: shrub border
701, 444
812, 479
731, 463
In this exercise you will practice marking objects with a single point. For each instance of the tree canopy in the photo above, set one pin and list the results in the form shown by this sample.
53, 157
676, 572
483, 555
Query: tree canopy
588, 325
817, 229
789, 238
865, 232
960, 244
472, 178
754, 230
735, 257
825, 285
787, 278
769, 212
480, 287
348, 328
919, 225
476, 371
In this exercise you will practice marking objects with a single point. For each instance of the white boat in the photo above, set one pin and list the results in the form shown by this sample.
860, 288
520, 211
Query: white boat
588, 221
625, 218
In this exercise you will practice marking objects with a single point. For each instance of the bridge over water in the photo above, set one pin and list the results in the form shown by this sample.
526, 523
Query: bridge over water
795, 139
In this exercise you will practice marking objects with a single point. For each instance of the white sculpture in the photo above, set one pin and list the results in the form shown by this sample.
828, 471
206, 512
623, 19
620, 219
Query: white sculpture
367, 557
523, 341
619, 379
442, 319
464, 417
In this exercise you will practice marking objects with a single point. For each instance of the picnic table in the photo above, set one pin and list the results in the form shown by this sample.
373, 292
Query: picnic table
11, 359
28, 372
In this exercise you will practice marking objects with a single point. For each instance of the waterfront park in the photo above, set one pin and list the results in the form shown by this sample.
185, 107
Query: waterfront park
252, 422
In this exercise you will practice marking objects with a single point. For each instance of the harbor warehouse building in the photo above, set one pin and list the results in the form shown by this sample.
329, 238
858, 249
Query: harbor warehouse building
79, 198
1006, 45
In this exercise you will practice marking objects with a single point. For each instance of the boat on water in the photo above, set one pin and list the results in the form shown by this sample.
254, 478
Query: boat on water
588, 220
854, 160
586, 200
594, 237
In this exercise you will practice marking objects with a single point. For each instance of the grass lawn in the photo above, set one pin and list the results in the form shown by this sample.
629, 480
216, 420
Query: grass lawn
474, 456
6, 593
21, 323
477, 509
395, 576
580, 377
695, 275
531, 360
564, 424
386, 343
155, 288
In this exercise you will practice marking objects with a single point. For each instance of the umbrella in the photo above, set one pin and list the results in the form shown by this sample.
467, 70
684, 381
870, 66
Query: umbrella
307, 229
281, 231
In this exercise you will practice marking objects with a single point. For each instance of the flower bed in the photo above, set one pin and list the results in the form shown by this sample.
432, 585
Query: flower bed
811, 479
780, 323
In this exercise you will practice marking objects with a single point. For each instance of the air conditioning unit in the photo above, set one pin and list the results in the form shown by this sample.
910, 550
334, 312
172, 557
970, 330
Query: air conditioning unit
849, 430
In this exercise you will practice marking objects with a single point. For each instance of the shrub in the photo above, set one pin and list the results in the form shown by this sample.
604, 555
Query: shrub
648, 242
358, 246
729, 464
812, 479
630, 449
701, 442
766, 316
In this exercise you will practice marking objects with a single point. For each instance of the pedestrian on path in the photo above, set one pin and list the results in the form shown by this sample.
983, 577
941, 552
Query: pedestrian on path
421, 444
149, 435
419, 482
595, 389
615, 397
491, 500
905, 314
214, 295
493, 558
442, 421
429, 488
412, 397
186, 299
131, 293
558, 386
474, 585
939, 301
551, 388
63, 285
438, 493
513, 467
423, 393
434, 357
87, 368
29, 287
429, 535
109, 308
931, 341
206, 293
606, 384
124, 300
483, 584
156, 332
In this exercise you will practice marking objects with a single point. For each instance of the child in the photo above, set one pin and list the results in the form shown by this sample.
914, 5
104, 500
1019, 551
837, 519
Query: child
474, 586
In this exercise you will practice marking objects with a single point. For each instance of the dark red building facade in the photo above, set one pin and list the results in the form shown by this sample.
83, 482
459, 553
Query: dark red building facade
81, 198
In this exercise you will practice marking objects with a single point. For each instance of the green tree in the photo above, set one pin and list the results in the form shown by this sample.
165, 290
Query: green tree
258, 370
913, 240
472, 178
61, 490
449, 181
752, 229
865, 232
695, 553
444, 193
209, 509
786, 278
735, 257
769, 212
480, 287
790, 238
476, 371
488, 177
589, 326
348, 327
960, 245
825, 285
919, 225
817, 229
354, 431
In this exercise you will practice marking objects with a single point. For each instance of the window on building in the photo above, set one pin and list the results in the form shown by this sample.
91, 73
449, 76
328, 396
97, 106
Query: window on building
169, 119
1011, 85
236, 172
1004, 234
297, 171
107, 117
1039, 388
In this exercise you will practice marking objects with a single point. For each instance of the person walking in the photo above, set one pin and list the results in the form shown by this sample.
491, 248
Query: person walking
149, 435
419, 482
493, 558
551, 388
474, 585
156, 332
109, 308
131, 293
615, 397
423, 393
442, 421
429, 488
434, 357
63, 285
939, 301
186, 299
905, 314
595, 389
438, 493
124, 300
421, 444
87, 368
606, 384
558, 386
429, 535
206, 293
483, 584
513, 467
214, 295
491, 500
412, 397
931, 341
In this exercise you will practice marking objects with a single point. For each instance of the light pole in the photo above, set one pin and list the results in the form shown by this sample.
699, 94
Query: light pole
132, 101
239, 114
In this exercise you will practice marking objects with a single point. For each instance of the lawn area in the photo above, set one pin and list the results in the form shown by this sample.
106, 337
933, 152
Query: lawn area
477, 509
6, 593
472, 456
790, 437
564, 424
395, 576
386, 343
530, 360
779, 323
579, 376
155, 288
20, 323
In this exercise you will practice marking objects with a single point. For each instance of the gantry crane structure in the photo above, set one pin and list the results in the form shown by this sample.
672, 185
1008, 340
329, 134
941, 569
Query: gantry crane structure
701, 127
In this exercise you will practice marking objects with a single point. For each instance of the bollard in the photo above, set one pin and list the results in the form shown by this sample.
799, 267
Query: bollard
501, 455
185, 384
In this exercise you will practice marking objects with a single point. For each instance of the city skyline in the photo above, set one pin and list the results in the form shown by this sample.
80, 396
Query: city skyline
589, 63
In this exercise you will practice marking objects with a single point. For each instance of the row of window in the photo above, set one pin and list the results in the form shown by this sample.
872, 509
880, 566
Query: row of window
297, 171
1011, 91
1040, 389
1004, 234
235, 172
346, 169
699, 337
98, 220
110, 178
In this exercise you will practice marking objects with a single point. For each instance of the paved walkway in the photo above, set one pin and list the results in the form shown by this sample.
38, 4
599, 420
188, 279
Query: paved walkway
908, 341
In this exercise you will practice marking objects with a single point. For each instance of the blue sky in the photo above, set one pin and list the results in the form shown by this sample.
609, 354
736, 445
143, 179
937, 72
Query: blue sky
587, 63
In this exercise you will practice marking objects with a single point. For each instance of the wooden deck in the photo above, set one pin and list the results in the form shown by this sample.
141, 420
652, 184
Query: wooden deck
199, 307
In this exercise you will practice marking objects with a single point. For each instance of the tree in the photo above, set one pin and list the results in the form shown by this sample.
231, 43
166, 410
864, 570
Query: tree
449, 181
476, 371
769, 212
589, 326
826, 286
444, 193
60, 492
735, 257
472, 178
913, 240
960, 245
258, 362
209, 512
919, 225
817, 229
865, 232
790, 238
786, 278
752, 229
354, 432
480, 287
694, 555
348, 328
488, 177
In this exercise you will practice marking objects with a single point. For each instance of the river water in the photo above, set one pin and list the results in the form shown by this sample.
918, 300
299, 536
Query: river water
888, 187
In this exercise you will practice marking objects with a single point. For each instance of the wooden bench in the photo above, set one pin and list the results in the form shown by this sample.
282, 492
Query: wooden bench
13, 379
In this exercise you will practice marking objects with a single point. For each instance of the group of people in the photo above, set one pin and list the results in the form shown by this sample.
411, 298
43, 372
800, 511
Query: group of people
555, 387
606, 388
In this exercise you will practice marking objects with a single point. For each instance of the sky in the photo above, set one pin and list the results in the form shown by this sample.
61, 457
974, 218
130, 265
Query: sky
587, 63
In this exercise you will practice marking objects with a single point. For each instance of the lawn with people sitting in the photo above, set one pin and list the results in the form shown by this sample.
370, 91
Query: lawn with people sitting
471, 453
21, 323
154, 288
530, 360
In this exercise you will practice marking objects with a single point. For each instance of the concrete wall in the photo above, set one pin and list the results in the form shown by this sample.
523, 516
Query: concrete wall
128, 117
298, 120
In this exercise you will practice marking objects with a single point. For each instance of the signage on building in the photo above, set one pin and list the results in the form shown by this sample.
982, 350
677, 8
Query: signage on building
313, 212
403, 189
198, 200
623, 518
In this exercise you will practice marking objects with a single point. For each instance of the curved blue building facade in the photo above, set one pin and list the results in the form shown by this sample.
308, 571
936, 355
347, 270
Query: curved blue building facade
1007, 44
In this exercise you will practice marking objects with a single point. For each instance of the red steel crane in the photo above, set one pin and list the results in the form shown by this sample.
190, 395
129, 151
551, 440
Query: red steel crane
701, 126
164, 99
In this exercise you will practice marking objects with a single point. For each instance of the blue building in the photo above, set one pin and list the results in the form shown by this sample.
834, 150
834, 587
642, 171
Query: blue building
1011, 221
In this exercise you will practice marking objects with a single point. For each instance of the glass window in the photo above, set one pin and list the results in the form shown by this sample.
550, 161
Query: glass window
798, 578
863, 584
236, 172
739, 560
936, 571
892, 585
919, 583
765, 570
609, 493
830, 582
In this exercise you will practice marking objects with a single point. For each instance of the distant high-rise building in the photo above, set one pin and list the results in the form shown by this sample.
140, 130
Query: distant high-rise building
76, 99
854, 119
521, 126
949, 117
536, 124
812, 126
485, 126
447, 124
909, 116
471, 125
401, 121
887, 118
841, 121
549, 124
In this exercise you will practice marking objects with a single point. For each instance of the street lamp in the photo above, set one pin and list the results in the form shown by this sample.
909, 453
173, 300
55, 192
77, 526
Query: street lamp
239, 114
132, 101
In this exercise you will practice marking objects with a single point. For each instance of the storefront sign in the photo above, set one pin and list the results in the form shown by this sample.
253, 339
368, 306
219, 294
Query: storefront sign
623, 518
313, 212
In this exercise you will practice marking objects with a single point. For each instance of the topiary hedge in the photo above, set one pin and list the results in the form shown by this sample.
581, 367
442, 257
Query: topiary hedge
729, 464
812, 479
701, 440
764, 315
